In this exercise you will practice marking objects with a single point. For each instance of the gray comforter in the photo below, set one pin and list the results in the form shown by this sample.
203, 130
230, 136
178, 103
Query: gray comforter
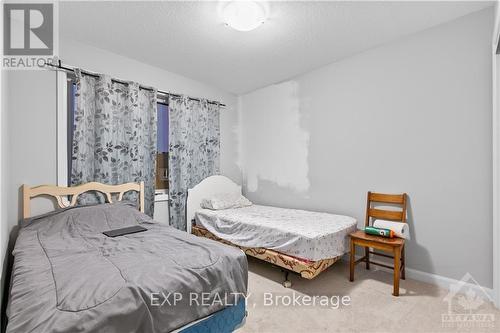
69, 277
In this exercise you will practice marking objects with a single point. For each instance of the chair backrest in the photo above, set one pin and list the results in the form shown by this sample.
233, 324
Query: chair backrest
398, 200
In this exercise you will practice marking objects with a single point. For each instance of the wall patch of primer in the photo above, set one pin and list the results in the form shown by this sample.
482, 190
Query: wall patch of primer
274, 146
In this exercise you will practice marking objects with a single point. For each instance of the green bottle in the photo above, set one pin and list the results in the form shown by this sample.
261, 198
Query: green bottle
379, 232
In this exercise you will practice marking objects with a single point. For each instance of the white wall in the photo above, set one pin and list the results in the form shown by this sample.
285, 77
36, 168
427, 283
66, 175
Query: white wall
4, 234
4, 227
30, 136
94, 59
412, 116
28, 148
496, 155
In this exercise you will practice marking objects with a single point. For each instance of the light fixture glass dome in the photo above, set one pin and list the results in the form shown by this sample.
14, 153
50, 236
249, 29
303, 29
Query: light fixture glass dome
244, 15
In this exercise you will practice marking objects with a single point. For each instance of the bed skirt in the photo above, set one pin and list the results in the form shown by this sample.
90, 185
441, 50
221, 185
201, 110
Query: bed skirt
306, 268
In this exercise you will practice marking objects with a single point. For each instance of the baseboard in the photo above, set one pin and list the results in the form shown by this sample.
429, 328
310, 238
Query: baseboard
438, 280
446, 282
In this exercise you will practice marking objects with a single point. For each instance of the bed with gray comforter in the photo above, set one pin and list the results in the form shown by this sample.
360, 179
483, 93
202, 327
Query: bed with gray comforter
69, 277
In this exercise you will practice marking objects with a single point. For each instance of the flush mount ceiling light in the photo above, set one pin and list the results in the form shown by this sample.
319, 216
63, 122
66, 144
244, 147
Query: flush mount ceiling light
244, 15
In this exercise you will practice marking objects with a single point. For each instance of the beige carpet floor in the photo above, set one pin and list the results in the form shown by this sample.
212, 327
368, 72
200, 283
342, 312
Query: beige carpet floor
372, 308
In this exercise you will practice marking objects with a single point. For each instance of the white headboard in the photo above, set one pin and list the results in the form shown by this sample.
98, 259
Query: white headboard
205, 189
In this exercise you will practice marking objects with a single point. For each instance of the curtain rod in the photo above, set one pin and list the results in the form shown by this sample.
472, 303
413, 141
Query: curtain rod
71, 69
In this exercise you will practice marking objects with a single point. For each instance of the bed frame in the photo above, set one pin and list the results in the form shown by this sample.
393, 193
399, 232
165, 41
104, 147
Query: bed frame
61, 193
220, 184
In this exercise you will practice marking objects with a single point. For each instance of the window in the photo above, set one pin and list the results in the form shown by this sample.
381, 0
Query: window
162, 137
162, 155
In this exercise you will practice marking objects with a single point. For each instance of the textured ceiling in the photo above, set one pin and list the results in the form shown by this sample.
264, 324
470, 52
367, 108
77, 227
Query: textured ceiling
190, 39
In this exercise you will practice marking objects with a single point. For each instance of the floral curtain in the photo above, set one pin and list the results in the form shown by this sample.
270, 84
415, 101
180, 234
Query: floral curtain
114, 138
193, 150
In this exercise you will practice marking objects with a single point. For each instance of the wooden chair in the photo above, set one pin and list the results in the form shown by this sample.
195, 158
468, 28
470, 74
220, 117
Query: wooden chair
396, 246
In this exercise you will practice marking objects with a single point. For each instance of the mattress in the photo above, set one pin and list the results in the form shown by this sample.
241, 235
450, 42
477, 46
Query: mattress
299, 233
68, 277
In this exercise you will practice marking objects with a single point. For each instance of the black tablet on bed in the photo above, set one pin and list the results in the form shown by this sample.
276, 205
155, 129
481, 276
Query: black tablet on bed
124, 231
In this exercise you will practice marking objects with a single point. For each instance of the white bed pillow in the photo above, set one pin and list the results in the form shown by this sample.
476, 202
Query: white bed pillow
225, 201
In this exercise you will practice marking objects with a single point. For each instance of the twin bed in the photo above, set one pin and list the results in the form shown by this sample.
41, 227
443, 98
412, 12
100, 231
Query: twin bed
69, 277
299, 241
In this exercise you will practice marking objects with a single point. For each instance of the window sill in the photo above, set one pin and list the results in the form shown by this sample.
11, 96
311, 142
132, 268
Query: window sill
161, 195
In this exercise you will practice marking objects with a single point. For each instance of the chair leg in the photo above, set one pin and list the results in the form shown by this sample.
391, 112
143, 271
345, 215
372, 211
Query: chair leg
403, 262
351, 263
367, 256
397, 267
